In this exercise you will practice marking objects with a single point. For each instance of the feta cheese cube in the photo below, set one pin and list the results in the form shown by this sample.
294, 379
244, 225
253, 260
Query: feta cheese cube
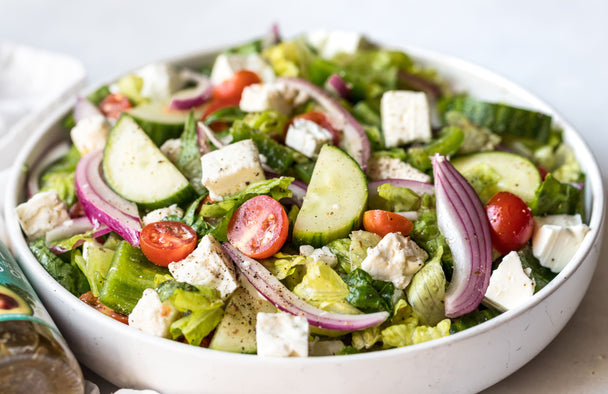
41, 213
171, 149
159, 81
321, 254
227, 64
384, 167
509, 285
307, 137
161, 213
276, 96
556, 239
207, 265
281, 335
231, 169
405, 117
90, 134
395, 259
331, 43
152, 316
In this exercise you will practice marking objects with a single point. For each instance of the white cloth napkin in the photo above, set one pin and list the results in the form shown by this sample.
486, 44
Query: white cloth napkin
33, 83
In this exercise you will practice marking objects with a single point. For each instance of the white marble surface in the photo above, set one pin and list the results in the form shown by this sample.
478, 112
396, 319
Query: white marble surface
556, 49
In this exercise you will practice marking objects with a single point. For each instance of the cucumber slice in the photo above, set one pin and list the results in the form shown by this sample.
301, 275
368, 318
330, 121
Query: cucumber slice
335, 200
500, 171
159, 122
236, 332
501, 118
138, 171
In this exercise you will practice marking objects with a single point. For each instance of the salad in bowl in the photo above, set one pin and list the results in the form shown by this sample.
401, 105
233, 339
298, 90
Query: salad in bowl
313, 196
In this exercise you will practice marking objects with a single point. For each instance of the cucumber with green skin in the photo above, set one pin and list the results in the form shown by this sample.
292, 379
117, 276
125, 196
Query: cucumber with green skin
501, 118
129, 275
335, 200
510, 172
138, 171
236, 332
159, 122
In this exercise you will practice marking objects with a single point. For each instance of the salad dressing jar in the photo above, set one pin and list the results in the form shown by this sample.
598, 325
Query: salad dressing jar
34, 357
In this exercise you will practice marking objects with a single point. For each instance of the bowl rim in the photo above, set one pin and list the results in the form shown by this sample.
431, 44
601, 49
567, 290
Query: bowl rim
575, 139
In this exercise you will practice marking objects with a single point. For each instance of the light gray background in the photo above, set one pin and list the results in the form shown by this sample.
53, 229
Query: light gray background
556, 49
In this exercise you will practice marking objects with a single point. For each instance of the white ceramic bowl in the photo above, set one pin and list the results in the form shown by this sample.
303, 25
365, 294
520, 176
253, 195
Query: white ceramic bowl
468, 361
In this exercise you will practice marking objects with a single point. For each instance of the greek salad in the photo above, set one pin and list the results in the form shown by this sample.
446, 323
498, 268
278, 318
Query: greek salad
313, 196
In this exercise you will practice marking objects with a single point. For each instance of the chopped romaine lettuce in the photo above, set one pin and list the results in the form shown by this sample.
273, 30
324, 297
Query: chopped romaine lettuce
360, 242
290, 58
474, 318
411, 333
59, 177
426, 233
396, 199
189, 158
321, 284
554, 197
476, 138
367, 294
341, 248
541, 275
426, 291
96, 265
449, 141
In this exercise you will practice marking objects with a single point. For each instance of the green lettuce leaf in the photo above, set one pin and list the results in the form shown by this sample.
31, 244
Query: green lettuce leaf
554, 197
474, 318
59, 177
366, 339
395, 199
189, 158
270, 123
426, 233
290, 58
426, 291
130, 85
341, 248
367, 294
360, 242
282, 265
96, 265
411, 333
67, 274
321, 284
201, 305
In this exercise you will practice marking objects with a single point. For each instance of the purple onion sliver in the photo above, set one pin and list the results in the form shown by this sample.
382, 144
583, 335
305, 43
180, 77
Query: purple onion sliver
84, 109
461, 219
340, 86
271, 288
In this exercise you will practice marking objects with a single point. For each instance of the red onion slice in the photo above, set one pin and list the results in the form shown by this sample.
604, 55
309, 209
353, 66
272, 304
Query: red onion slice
193, 97
462, 220
415, 186
337, 84
354, 140
101, 204
54, 154
203, 131
84, 109
270, 287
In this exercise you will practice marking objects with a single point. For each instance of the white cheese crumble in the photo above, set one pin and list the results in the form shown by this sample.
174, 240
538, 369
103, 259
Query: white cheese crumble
160, 80
276, 96
227, 64
152, 316
231, 169
395, 259
281, 335
207, 265
384, 167
42, 213
90, 134
321, 254
556, 239
405, 117
509, 285
331, 43
171, 148
307, 137
161, 213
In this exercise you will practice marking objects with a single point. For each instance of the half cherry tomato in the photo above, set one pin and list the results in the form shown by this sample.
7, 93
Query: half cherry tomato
165, 242
114, 104
259, 227
383, 222
321, 119
232, 88
511, 222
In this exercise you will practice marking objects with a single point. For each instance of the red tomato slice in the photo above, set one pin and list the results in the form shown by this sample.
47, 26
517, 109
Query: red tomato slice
232, 88
511, 222
383, 222
259, 227
321, 119
114, 104
165, 242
